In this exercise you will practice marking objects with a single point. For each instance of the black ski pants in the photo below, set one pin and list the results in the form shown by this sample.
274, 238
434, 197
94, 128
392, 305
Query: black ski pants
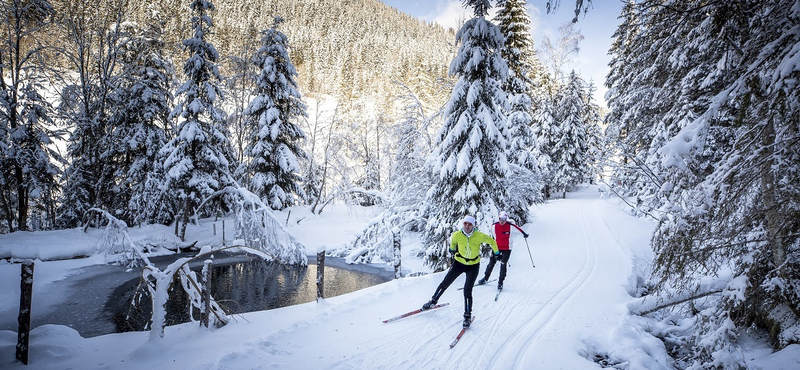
503, 258
457, 269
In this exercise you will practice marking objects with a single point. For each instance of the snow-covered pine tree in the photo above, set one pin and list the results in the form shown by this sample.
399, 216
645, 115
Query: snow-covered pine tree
197, 161
546, 115
525, 183
469, 162
543, 128
640, 97
92, 35
139, 126
569, 152
272, 150
28, 178
720, 87
591, 118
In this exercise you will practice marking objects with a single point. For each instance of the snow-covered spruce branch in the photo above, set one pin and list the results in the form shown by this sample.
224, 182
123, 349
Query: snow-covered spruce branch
642, 166
730, 245
643, 306
625, 200
117, 232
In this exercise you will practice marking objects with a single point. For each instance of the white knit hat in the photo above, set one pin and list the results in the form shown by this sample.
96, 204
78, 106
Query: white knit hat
469, 219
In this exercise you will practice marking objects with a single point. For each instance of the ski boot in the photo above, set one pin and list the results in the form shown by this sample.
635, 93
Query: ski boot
467, 319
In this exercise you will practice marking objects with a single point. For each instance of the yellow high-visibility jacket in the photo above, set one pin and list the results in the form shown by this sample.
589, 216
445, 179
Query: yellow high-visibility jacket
467, 249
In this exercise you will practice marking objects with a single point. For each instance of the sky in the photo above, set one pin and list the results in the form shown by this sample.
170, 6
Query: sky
597, 26
565, 305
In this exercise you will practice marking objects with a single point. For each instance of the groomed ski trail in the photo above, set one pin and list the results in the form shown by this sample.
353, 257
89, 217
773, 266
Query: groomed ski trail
577, 253
581, 266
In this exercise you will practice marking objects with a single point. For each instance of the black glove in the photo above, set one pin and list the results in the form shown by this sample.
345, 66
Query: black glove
525, 235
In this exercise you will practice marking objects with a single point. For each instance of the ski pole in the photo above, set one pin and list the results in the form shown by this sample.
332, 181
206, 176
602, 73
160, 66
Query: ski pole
529, 252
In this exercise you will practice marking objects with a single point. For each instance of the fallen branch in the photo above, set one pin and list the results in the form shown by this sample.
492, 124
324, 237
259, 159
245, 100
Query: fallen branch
641, 308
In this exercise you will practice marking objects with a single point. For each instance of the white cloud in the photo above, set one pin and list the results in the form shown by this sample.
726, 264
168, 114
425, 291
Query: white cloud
452, 13
448, 13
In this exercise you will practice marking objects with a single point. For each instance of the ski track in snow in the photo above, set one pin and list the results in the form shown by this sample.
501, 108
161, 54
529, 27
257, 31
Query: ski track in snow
578, 259
526, 337
564, 242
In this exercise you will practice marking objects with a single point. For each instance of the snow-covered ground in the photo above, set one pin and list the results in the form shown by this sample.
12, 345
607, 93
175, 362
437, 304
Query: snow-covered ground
565, 312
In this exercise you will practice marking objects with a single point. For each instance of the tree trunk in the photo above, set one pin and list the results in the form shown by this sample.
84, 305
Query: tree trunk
772, 215
6, 202
186, 209
22, 200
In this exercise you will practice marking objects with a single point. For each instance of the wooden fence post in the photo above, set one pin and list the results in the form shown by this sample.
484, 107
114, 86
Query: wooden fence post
396, 241
24, 319
206, 311
320, 274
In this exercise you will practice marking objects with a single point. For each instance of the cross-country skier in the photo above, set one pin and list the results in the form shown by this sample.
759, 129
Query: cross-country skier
465, 245
502, 234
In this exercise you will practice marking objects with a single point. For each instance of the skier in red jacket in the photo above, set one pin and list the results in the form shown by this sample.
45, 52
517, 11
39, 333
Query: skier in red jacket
502, 234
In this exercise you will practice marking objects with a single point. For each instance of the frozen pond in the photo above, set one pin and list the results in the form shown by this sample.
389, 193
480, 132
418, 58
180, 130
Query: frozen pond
96, 301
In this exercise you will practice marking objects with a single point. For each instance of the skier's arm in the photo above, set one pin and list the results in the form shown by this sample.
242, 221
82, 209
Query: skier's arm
492, 243
520, 230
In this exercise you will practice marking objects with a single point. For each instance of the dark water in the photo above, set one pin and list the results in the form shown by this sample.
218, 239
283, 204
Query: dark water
246, 286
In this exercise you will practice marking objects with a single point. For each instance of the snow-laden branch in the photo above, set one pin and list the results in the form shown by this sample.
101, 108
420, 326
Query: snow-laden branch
649, 304
258, 226
158, 287
117, 232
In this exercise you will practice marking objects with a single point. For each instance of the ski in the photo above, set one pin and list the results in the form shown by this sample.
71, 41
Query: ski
407, 314
476, 284
497, 295
461, 333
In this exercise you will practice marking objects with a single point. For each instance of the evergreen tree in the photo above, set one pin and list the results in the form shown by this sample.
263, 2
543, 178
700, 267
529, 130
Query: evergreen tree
591, 117
93, 35
544, 130
273, 150
139, 126
28, 177
197, 161
469, 161
709, 114
639, 97
513, 22
571, 146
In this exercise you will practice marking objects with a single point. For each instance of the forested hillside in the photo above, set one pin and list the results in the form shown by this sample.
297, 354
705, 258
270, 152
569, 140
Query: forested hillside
348, 49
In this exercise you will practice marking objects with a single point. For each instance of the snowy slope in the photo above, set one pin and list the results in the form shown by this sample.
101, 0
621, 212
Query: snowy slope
559, 315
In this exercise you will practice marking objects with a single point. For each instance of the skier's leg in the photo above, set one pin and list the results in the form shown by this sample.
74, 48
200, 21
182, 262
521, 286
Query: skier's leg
489, 268
504, 255
471, 274
451, 276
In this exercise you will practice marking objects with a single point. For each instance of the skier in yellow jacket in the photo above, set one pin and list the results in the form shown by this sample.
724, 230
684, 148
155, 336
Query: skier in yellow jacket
465, 245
